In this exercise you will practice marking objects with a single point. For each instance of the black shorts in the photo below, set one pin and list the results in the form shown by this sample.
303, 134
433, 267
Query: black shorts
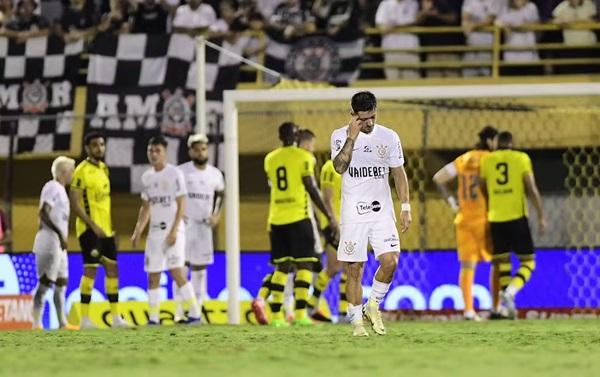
293, 242
512, 236
106, 248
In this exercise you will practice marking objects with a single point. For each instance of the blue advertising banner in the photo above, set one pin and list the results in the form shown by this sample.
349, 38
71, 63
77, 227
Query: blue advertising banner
425, 280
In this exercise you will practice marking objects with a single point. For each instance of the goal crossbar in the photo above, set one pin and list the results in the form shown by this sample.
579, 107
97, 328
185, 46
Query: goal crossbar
230, 116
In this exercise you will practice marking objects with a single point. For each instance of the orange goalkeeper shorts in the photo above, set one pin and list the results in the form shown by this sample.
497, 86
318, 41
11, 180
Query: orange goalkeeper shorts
473, 242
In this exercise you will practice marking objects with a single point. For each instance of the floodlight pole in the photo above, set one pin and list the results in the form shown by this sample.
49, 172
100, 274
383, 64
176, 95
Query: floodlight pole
201, 125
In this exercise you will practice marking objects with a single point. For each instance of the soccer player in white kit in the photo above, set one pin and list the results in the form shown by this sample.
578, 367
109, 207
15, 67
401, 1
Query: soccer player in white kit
205, 191
50, 245
163, 203
366, 153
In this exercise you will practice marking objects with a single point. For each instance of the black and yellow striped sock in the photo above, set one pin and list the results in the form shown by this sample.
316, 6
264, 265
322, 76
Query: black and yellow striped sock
85, 288
504, 272
320, 285
522, 277
343, 304
278, 281
112, 292
301, 287
265, 288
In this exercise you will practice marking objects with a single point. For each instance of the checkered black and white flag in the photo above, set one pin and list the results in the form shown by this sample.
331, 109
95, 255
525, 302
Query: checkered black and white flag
37, 89
143, 85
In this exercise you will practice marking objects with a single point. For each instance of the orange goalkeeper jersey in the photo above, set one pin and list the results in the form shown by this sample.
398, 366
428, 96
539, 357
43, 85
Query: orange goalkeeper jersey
471, 202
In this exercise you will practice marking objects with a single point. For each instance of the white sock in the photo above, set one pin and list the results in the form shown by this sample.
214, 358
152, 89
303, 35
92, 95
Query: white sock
187, 294
511, 290
154, 303
59, 304
38, 304
378, 291
355, 313
289, 304
198, 281
178, 303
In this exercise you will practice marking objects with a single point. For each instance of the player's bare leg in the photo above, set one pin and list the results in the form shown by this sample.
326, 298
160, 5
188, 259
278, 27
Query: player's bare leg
188, 296
86, 286
466, 281
381, 285
354, 270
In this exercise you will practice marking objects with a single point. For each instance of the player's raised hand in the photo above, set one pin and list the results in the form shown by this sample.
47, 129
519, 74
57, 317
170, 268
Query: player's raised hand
405, 220
172, 238
354, 127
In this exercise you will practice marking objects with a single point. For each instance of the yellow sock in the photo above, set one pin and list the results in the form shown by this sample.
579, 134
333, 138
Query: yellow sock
277, 286
112, 292
265, 288
320, 285
301, 287
343, 305
85, 288
467, 277
522, 277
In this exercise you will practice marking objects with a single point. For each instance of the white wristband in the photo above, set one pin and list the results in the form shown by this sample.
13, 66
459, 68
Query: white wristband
453, 203
405, 207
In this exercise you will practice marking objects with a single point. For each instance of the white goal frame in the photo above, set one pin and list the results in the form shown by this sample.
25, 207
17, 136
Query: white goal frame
230, 111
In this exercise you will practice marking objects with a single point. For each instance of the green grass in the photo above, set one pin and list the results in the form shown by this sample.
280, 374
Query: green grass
520, 348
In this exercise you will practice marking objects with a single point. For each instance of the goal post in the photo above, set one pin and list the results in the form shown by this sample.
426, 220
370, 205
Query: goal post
234, 99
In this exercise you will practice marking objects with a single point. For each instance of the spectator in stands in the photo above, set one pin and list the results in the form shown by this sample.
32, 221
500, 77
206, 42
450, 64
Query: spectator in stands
119, 19
519, 13
79, 20
339, 19
475, 15
390, 15
6, 12
151, 17
435, 13
291, 20
194, 17
572, 12
25, 23
5, 234
267, 7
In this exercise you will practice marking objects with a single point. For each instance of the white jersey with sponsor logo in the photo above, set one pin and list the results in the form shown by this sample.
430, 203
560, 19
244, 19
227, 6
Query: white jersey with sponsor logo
201, 186
55, 195
161, 189
366, 194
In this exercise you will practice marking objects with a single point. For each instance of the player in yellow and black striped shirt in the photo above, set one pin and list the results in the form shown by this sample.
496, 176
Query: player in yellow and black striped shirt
507, 180
90, 199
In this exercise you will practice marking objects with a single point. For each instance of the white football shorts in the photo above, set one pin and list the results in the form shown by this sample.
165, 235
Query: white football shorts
355, 238
199, 248
159, 257
50, 259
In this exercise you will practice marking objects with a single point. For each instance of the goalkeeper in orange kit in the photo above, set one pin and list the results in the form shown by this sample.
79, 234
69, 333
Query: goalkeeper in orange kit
472, 228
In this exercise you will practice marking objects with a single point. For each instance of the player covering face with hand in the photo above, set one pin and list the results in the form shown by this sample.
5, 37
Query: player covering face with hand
365, 154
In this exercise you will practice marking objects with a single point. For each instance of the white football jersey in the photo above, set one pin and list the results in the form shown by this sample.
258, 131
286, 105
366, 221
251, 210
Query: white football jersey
161, 189
55, 195
366, 194
201, 186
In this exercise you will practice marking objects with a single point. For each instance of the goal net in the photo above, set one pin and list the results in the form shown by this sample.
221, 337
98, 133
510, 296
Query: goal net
557, 124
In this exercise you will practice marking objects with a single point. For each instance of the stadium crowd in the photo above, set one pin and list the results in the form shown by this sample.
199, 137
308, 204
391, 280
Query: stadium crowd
342, 20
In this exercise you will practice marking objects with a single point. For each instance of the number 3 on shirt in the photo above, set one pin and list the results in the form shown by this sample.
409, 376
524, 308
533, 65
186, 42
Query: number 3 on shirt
282, 183
502, 168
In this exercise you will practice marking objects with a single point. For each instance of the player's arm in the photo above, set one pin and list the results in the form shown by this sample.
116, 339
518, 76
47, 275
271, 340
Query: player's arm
534, 195
6, 233
315, 195
482, 180
342, 160
441, 179
45, 218
75, 197
172, 237
215, 216
142, 221
401, 185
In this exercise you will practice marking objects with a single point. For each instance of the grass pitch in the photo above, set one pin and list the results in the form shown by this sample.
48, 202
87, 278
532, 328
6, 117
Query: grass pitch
520, 348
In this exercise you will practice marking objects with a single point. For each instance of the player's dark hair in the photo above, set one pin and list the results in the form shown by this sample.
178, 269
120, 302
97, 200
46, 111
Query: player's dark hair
288, 132
363, 101
488, 132
305, 134
505, 138
87, 139
158, 140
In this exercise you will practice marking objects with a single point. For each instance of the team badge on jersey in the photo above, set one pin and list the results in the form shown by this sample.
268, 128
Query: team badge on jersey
382, 151
349, 247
